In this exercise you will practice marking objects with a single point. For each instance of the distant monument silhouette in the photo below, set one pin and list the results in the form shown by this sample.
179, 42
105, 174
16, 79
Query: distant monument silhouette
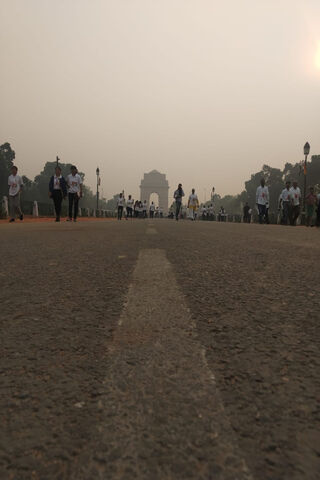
155, 182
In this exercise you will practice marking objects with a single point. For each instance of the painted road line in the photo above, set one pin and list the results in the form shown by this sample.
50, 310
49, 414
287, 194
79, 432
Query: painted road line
163, 415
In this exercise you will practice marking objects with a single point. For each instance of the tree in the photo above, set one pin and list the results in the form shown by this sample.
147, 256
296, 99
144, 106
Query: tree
7, 155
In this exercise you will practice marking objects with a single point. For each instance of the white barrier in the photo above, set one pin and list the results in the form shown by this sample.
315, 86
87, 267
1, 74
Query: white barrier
35, 209
5, 206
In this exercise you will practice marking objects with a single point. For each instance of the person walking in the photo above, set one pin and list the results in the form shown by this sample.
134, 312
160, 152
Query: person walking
246, 215
15, 184
136, 209
151, 210
262, 201
129, 207
74, 183
120, 205
311, 202
193, 204
57, 191
144, 209
295, 198
211, 212
285, 204
178, 194
222, 214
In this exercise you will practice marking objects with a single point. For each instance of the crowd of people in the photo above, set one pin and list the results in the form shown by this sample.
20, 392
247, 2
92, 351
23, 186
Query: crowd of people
59, 188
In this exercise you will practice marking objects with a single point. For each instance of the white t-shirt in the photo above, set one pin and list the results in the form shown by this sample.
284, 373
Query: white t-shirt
211, 210
152, 207
203, 210
74, 182
130, 202
285, 195
120, 202
262, 195
144, 206
295, 195
193, 200
56, 182
15, 183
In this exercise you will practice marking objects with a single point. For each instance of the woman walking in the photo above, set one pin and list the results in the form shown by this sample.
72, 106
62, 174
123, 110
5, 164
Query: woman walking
57, 191
193, 204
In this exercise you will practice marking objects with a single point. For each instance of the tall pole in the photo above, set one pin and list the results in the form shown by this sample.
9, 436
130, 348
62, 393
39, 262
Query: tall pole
57, 161
306, 150
305, 184
97, 172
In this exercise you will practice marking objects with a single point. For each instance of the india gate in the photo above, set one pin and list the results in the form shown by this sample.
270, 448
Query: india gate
155, 182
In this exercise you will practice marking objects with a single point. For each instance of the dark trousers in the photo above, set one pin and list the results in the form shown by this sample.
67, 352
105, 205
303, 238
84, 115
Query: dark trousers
151, 213
73, 202
263, 213
129, 212
295, 212
178, 208
120, 211
286, 207
57, 201
144, 213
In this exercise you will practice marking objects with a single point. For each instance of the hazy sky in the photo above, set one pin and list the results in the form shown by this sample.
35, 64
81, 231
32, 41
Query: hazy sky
203, 90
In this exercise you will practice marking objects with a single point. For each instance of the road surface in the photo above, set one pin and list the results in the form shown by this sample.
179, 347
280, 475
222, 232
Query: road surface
159, 350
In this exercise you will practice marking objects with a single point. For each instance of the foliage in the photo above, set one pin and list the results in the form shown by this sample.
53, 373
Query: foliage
7, 155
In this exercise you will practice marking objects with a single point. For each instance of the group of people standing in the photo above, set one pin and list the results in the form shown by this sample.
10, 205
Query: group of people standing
136, 209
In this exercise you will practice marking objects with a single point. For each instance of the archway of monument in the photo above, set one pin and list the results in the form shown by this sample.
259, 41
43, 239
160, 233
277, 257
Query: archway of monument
155, 182
154, 197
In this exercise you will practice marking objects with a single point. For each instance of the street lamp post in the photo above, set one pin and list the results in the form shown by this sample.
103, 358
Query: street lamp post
57, 161
98, 181
306, 151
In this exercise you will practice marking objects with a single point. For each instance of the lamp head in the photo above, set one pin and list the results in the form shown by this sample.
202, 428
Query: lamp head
97, 171
306, 149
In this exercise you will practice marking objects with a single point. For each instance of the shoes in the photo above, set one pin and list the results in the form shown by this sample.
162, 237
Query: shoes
74, 219
57, 219
21, 216
69, 219
11, 220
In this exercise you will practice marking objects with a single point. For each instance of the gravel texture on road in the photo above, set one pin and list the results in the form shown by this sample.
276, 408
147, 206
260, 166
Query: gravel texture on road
253, 296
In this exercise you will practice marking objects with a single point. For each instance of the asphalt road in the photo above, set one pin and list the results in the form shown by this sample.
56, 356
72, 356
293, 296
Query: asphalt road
159, 350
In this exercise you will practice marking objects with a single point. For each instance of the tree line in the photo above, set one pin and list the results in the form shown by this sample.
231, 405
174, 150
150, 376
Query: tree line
275, 180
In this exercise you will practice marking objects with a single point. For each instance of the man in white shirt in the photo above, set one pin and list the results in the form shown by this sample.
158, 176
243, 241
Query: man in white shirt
285, 204
144, 209
74, 182
129, 207
15, 184
204, 212
120, 204
211, 212
262, 201
152, 209
193, 203
295, 198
